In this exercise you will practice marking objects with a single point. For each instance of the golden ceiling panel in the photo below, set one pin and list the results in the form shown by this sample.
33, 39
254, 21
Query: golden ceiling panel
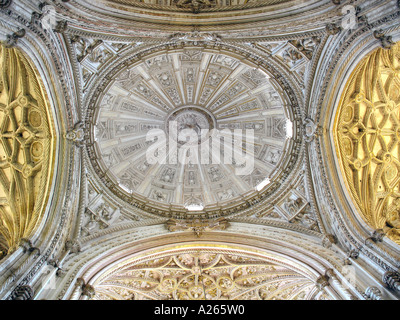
26, 149
367, 139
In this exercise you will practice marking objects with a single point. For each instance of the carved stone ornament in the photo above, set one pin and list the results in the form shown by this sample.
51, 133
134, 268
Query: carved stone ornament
373, 293
392, 280
310, 129
5, 3
13, 38
329, 240
386, 41
322, 282
197, 226
204, 274
194, 5
23, 293
73, 246
76, 135
195, 37
333, 29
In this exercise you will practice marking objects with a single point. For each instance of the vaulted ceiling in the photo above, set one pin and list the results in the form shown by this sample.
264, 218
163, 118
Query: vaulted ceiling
86, 89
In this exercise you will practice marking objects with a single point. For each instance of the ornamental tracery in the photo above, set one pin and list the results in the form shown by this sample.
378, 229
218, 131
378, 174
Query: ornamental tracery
367, 139
26, 149
196, 274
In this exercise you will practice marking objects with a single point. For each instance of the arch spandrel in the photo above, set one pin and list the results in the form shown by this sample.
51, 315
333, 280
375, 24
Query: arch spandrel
366, 133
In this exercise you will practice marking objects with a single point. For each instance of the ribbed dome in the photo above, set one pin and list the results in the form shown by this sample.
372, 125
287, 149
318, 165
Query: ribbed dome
198, 90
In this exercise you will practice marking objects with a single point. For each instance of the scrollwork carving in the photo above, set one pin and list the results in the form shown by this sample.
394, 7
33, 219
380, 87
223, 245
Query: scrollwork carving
392, 280
12, 39
197, 226
5, 3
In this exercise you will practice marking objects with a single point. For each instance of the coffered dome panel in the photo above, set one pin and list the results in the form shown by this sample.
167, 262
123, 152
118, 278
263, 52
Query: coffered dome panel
218, 97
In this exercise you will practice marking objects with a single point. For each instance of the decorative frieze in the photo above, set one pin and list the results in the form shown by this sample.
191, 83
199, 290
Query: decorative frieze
197, 226
392, 280
23, 293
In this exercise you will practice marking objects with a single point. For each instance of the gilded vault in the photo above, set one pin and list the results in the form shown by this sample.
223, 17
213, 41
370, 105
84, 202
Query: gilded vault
367, 139
27, 147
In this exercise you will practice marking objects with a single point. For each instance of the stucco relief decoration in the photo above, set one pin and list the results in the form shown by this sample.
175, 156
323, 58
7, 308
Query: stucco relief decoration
26, 148
368, 142
198, 274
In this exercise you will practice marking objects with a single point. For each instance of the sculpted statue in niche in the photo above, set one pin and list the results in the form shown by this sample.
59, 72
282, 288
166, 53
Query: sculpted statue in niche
291, 56
99, 56
292, 206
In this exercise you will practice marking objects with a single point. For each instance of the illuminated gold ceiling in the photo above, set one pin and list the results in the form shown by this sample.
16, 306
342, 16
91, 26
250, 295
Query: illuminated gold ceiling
367, 137
26, 149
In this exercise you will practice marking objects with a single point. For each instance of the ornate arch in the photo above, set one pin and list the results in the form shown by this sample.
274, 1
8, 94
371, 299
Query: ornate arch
301, 258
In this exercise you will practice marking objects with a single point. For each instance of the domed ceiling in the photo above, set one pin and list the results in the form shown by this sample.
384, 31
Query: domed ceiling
194, 89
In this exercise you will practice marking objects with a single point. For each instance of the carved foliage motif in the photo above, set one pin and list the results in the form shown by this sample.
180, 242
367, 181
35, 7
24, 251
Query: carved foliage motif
26, 143
204, 275
368, 141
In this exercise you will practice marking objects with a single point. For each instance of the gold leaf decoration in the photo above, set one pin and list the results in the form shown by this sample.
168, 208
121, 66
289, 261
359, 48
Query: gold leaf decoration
367, 138
26, 149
